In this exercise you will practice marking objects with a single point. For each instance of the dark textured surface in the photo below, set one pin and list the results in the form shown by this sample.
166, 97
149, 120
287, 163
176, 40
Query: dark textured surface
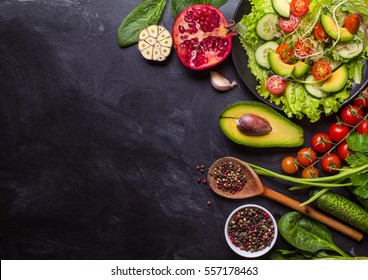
98, 147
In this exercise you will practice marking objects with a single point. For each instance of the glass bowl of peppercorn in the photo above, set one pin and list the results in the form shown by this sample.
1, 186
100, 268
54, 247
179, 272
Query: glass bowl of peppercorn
251, 230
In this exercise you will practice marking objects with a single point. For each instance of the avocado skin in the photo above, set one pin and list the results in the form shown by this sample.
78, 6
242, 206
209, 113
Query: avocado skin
344, 209
284, 132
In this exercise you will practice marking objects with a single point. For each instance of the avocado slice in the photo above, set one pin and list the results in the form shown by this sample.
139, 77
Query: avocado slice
337, 80
330, 28
278, 66
282, 7
300, 68
284, 133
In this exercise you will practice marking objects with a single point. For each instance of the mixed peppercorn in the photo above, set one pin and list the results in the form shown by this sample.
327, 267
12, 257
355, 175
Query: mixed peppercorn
230, 177
251, 229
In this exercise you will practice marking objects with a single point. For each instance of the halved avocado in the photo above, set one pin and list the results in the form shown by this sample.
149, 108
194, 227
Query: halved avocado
278, 66
337, 80
330, 28
282, 7
284, 133
300, 68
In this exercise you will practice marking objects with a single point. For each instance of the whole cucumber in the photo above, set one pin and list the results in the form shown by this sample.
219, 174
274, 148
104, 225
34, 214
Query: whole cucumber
344, 209
363, 202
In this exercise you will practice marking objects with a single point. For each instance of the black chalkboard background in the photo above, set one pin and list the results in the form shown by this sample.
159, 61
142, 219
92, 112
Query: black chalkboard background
98, 147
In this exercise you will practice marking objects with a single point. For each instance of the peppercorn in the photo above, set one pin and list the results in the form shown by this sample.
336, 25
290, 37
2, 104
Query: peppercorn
230, 177
251, 229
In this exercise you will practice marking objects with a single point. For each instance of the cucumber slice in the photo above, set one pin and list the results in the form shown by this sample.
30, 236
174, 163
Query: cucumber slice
262, 51
350, 49
266, 26
313, 87
333, 63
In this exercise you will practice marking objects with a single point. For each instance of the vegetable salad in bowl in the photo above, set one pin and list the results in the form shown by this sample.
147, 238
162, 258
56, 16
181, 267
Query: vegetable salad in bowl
306, 54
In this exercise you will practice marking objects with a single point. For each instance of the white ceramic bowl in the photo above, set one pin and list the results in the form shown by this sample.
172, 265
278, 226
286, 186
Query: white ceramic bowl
245, 253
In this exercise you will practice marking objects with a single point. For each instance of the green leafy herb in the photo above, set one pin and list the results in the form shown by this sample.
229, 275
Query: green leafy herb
145, 14
358, 142
178, 5
306, 234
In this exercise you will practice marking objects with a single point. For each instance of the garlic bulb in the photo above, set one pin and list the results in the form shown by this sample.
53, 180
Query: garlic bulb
155, 43
220, 83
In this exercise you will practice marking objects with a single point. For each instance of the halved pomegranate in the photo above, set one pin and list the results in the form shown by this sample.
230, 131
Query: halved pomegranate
202, 36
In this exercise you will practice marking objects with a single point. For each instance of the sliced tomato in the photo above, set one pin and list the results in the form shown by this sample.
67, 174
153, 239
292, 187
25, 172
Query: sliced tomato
299, 7
352, 23
321, 69
304, 47
288, 24
276, 84
319, 33
286, 53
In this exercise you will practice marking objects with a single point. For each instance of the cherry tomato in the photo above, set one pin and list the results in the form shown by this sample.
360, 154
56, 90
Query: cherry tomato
289, 165
310, 172
321, 69
330, 163
362, 99
304, 47
319, 33
321, 142
306, 156
299, 7
363, 127
338, 131
288, 24
351, 114
276, 84
352, 23
343, 150
286, 53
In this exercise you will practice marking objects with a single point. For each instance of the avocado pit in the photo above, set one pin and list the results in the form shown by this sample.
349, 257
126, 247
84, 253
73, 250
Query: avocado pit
253, 125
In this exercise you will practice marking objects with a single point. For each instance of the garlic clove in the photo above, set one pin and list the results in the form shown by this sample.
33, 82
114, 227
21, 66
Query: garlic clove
220, 83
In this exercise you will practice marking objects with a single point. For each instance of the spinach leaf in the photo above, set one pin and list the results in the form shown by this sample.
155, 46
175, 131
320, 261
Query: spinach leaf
178, 5
303, 255
145, 14
306, 234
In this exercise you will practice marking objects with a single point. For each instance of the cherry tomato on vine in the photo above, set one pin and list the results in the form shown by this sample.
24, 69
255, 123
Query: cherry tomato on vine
306, 156
289, 165
319, 33
321, 142
299, 7
321, 69
286, 53
338, 131
363, 127
352, 23
276, 84
288, 24
362, 99
330, 163
310, 172
343, 150
351, 114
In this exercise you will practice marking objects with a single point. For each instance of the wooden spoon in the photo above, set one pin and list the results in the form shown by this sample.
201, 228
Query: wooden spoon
254, 186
